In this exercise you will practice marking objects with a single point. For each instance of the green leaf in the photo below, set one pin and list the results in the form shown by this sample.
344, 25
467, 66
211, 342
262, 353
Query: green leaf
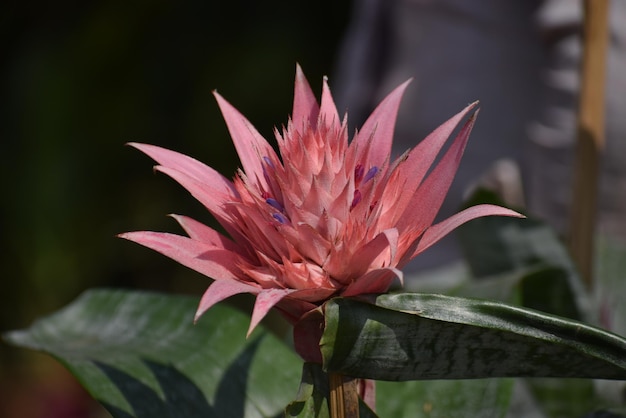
444, 398
438, 398
563, 397
611, 284
548, 282
497, 245
424, 336
140, 355
313, 396
548, 290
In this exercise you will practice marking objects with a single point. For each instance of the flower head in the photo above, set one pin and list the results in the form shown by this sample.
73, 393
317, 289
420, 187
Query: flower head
324, 217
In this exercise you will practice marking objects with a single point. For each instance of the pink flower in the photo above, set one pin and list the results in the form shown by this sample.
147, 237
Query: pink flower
326, 218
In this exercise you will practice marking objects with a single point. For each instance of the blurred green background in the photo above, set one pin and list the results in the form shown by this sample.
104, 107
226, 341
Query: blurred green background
78, 81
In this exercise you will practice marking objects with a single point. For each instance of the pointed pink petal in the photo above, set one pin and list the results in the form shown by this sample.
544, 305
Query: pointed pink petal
298, 303
265, 301
375, 281
425, 203
210, 197
188, 166
328, 110
212, 261
205, 184
220, 290
426, 151
203, 233
412, 170
438, 231
213, 199
290, 301
249, 143
305, 107
365, 256
379, 128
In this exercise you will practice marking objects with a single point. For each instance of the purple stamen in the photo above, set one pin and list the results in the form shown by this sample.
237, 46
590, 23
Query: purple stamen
268, 161
356, 199
274, 203
370, 174
280, 218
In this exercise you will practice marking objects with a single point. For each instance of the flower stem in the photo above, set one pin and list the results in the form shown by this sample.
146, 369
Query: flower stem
344, 396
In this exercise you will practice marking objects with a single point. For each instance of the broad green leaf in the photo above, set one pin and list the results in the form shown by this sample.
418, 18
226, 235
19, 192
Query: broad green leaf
551, 285
424, 336
543, 288
520, 261
549, 290
140, 355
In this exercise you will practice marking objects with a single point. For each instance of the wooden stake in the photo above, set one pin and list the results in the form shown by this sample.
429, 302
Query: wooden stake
590, 136
344, 396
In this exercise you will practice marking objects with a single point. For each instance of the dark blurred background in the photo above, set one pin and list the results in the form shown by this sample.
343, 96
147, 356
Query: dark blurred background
80, 79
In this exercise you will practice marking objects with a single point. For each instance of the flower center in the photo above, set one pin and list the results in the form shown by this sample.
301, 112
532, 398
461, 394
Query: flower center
280, 215
360, 179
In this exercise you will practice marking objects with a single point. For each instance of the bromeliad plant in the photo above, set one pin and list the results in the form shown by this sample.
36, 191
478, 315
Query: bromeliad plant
327, 218
320, 232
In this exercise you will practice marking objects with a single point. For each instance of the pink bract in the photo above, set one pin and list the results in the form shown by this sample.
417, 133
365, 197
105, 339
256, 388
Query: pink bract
327, 217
